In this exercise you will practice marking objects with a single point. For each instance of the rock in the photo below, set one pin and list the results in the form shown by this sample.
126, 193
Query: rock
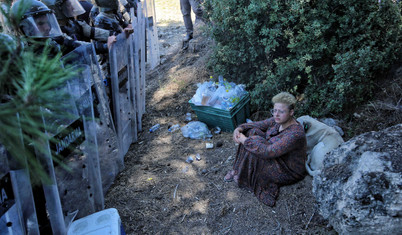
339, 130
194, 45
329, 121
333, 123
359, 189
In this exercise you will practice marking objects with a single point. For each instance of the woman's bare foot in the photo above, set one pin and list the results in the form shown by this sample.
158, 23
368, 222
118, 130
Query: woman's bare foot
236, 179
229, 176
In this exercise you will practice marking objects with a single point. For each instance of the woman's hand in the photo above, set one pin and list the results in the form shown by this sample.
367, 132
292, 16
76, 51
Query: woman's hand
241, 138
236, 135
128, 30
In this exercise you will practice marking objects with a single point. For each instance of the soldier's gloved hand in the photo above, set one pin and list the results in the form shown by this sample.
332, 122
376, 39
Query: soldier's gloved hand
71, 28
128, 30
110, 41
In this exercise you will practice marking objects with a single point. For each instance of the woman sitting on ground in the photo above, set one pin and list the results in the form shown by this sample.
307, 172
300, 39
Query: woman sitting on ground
271, 153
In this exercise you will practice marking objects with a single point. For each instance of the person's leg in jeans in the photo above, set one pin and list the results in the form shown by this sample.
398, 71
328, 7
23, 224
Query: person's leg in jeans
186, 12
197, 9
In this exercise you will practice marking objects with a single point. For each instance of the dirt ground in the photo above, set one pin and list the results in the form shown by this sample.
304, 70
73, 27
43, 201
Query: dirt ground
158, 192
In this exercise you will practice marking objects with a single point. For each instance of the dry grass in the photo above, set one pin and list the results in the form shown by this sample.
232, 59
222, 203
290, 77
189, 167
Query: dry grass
168, 12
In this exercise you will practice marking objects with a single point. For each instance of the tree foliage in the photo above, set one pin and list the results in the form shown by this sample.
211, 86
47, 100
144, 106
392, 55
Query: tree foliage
30, 89
327, 53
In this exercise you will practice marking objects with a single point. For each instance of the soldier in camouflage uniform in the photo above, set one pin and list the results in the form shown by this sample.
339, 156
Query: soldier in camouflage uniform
66, 12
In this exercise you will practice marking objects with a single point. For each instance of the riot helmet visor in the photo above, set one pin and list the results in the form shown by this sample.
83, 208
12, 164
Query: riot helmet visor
72, 8
41, 26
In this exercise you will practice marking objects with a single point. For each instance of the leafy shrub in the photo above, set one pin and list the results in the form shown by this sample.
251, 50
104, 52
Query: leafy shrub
328, 51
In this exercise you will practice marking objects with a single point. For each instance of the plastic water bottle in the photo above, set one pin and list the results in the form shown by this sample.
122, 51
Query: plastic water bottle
190, 159
174, 128
154, 128
218, 130
188, 116
198, 157
221, 81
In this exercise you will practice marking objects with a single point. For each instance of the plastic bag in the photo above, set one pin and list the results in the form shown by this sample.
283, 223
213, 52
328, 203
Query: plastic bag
216, 100
207, 95
196, 130
240, 90
201, 91
220, 95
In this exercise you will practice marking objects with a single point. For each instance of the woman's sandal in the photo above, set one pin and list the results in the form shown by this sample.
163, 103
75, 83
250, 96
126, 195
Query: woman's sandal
229, 176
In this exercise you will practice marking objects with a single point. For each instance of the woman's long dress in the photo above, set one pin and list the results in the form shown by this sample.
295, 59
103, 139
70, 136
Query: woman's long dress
269, 158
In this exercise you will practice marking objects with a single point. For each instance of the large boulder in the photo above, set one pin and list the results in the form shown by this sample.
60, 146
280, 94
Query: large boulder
359, 189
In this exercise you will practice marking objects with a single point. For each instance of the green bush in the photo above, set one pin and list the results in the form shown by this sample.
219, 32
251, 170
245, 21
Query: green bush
328, 51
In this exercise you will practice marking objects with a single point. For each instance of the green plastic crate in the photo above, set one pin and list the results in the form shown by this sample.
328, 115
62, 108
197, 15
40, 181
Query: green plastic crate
227, 120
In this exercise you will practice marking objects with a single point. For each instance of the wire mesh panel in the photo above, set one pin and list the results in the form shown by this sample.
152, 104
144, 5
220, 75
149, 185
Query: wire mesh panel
121, 75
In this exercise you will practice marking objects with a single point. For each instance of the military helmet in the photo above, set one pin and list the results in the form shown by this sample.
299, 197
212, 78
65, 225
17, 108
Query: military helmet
56, 7
65, 8
94, 12
107, 5
35, 19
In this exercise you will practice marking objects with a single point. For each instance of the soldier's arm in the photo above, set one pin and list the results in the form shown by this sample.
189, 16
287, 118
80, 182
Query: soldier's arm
97, 34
